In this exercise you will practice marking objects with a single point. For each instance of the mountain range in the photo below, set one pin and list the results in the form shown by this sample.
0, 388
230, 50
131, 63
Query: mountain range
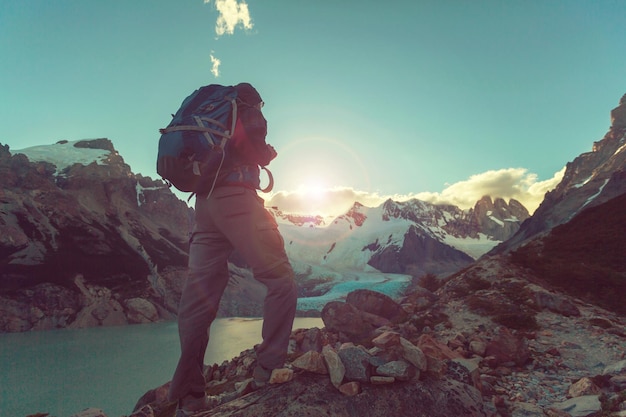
95, 244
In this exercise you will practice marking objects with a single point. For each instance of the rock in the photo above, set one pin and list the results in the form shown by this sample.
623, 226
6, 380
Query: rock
584, 386
386, 340
350, 388
507, 347
311, 340
335, 366
618, 116
414, 355
616, 368
399, 370
430, 346
349, 322
471, 369
556, 303
311, 361
281, 375
102, 312
43, 307
526, 410
356, 361
376, 303
619, 382
382, 380
140, 310
585, 406
479, 347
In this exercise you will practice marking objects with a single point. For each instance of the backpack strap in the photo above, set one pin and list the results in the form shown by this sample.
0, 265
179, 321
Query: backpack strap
270, 186
200, 128
225, 137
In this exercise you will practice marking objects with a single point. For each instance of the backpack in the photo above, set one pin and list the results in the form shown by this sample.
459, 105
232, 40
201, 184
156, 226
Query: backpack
195, 145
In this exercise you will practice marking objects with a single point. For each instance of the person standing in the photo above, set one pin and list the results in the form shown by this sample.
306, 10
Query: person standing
231, 216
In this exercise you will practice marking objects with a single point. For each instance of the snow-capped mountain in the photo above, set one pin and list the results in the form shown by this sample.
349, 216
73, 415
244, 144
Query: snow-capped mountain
384, 247
84, 241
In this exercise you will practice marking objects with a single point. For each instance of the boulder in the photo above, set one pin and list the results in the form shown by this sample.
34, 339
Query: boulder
351, 323
376, 303
585, 406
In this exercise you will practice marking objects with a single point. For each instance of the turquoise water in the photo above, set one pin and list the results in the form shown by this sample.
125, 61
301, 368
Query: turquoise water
62, 372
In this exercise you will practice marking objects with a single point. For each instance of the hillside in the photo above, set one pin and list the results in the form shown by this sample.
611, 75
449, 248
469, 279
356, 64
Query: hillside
585, 257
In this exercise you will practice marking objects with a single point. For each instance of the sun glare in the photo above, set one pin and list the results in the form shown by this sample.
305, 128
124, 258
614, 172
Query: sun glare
313, 190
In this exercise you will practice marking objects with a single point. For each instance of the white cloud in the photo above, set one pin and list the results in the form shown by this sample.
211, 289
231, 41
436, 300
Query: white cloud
331, 201
231, 14
509, 183
215, 68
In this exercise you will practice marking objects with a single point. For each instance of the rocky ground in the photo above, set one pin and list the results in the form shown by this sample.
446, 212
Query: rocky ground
490, 342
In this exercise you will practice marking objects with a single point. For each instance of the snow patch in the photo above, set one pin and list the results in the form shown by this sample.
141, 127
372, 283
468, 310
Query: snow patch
593, 197
139, 189
64, 154
584, 182
496, 220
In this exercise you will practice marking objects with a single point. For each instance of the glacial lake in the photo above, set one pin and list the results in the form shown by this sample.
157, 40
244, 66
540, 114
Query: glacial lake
63, 372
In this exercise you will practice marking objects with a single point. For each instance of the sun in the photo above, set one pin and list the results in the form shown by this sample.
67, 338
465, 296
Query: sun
313, 190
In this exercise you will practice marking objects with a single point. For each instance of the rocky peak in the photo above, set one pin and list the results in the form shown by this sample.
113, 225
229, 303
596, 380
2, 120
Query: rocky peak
590, 179
618, 115
357, 214
75, 209
496, 218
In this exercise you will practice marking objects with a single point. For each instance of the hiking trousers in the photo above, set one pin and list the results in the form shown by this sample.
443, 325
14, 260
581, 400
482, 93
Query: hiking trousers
232, 218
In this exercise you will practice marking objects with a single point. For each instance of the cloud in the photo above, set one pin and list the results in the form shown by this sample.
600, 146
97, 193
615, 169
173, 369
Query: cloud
232, 13
509, 183
215, 68
332, 201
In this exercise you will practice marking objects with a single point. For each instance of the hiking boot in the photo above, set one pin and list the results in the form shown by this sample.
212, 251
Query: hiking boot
190, 405
260, 377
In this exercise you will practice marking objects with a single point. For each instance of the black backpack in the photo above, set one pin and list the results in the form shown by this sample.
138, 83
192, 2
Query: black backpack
193, 147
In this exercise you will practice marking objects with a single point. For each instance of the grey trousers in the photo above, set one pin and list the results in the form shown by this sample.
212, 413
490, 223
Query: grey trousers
232, 218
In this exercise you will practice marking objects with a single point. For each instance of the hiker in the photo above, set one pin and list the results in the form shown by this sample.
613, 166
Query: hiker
231, 216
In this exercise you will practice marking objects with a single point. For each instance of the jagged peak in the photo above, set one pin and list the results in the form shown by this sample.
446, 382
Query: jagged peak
618, 115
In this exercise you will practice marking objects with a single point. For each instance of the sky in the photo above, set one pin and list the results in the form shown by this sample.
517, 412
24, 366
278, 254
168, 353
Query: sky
443, 100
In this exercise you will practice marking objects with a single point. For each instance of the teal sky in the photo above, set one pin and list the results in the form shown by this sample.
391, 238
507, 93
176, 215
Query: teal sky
390, 98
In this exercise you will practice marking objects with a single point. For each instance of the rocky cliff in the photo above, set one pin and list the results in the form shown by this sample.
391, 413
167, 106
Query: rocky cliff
88, 243
591, 179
